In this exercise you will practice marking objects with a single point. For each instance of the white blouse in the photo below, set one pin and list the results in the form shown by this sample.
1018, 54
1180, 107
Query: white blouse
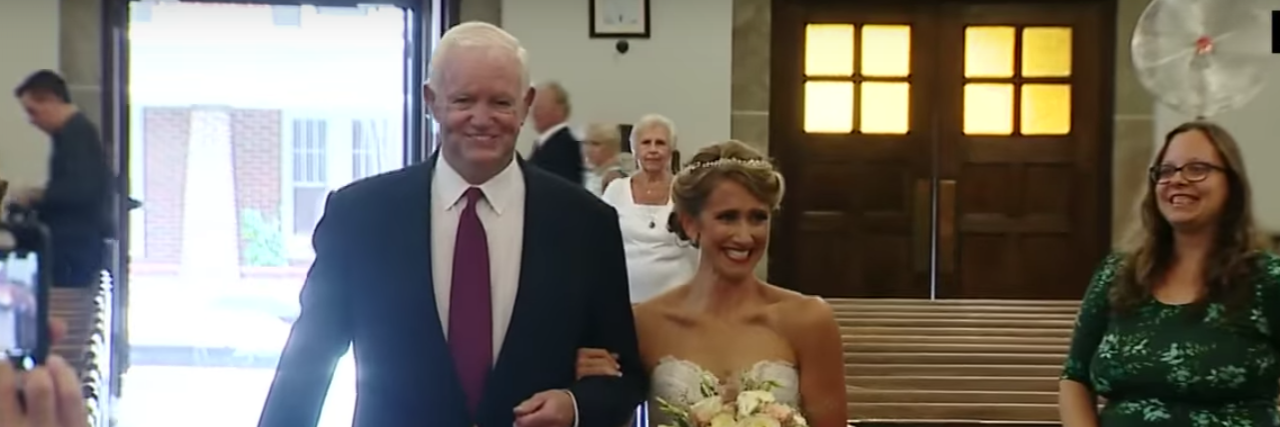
656, 259
594, 180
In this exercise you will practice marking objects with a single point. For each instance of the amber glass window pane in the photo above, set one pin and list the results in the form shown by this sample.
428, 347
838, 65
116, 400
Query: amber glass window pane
886, 50
988, 109
988, 51
1046, 109
828, 50
1046, 52
885, 108
828, 107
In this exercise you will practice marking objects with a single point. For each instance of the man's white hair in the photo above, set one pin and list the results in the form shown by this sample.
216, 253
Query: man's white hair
650, 121
476, 34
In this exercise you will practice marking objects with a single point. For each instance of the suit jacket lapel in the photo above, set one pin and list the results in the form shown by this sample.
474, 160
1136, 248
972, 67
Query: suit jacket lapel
535, 270
420, 279
417, 243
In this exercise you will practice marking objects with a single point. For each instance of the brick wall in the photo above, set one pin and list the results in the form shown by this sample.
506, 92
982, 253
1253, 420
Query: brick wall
165, 138
256, 151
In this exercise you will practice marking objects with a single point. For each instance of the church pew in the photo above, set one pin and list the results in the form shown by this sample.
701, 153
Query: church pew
86, 346
76, 308
953, 362
958, 413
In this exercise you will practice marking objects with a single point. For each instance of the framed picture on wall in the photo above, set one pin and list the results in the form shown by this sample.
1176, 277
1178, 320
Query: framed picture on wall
619, 19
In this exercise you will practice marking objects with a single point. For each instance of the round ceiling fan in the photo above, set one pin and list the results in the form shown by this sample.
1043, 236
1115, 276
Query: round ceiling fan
1203, 57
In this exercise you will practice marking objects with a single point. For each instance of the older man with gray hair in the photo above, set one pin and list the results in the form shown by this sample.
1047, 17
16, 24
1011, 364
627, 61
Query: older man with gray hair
468, 283
557, 150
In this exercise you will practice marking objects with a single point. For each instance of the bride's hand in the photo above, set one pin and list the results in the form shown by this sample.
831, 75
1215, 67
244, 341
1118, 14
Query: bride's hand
595, 361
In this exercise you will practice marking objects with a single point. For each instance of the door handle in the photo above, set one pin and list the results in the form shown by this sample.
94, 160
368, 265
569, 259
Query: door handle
947, 226
921, 222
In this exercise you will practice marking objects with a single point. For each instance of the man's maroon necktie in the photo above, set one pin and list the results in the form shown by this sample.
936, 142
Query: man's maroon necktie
470, 313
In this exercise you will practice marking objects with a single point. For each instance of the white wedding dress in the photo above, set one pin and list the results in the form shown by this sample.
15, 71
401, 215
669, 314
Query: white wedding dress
679, 382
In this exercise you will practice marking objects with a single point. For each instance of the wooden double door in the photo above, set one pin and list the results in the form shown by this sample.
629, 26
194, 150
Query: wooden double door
942, 149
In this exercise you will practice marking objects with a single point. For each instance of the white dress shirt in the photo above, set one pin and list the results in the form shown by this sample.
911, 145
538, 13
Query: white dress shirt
502, 213
542, 138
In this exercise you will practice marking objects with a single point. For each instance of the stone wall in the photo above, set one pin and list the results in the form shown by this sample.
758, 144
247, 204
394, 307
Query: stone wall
749, 117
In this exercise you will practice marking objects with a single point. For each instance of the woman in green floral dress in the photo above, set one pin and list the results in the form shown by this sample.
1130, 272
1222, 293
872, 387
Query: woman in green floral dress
1184, 329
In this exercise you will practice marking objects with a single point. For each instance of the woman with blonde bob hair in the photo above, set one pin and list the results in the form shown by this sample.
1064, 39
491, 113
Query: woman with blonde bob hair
600, 147
1183, 328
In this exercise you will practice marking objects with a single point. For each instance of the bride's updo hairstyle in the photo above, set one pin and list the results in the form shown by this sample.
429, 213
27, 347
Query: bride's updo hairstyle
729, 160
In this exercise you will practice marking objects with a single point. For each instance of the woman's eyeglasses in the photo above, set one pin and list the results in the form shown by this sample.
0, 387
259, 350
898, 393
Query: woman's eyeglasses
1192, 172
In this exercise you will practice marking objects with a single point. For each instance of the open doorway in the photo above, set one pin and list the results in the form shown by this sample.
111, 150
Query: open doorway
241, 119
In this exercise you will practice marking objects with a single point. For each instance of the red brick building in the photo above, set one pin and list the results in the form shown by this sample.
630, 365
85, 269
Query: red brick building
283, 164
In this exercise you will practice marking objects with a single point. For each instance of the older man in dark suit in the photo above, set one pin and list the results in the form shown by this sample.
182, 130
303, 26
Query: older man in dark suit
467, 283
557, 150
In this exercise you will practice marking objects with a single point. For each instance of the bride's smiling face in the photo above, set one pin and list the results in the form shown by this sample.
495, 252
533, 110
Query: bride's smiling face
732, 230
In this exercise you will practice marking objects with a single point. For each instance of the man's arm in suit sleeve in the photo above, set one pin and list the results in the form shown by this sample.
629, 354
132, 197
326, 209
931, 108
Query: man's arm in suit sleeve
322, 333
603, 400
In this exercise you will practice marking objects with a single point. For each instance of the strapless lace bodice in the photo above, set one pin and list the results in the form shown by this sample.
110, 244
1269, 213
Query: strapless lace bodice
679, 382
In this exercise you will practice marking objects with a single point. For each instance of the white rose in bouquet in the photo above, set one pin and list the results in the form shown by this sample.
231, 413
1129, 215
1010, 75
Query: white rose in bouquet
725, 419
758, 421
706, 409
783, 413
752, 400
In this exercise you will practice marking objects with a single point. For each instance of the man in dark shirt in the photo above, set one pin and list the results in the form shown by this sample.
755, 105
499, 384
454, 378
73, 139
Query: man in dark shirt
74, 203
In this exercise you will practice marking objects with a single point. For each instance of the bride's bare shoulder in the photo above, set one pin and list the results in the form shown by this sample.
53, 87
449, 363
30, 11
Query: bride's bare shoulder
781, 295
787, 298
656, 308
799, 312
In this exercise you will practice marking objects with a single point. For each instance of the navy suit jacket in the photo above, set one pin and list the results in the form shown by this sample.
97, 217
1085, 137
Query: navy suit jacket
560, 154
371, 285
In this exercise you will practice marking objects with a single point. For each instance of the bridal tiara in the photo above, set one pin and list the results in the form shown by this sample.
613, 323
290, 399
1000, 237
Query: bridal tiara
753, 163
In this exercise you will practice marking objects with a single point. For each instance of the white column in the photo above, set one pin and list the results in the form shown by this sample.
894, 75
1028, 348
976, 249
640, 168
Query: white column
210, 223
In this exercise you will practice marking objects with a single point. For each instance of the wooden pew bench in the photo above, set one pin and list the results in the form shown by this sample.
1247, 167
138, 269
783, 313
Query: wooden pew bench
86, 345
953, 362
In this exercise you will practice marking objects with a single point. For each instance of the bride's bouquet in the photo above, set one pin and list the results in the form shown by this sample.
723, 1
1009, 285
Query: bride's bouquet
753, 406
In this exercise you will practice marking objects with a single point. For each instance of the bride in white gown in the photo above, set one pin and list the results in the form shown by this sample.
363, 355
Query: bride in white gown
725, 325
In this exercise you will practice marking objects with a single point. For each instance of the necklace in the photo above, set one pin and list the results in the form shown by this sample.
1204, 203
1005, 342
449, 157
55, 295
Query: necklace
653, 216
653, 189
652, 192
